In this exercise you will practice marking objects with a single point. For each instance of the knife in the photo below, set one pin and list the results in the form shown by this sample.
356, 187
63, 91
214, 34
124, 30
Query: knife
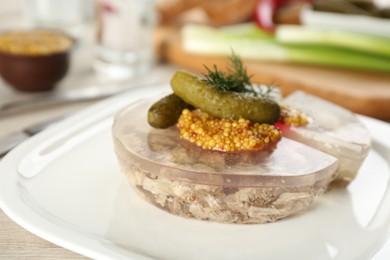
9, 141
78, 95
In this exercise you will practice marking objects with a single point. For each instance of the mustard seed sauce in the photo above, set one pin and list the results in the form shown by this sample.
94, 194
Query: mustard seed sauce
223, 134
32, 43
292, 117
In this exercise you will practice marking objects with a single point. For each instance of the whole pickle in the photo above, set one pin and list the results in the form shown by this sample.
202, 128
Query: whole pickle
165, 112
230, 105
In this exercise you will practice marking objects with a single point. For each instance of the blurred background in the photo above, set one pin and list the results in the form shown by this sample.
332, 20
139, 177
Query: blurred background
336, 49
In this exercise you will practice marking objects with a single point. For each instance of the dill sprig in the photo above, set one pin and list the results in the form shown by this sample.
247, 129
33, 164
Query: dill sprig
236, 78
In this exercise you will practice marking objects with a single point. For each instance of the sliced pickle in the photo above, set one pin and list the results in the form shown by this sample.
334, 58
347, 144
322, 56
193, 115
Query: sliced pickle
165, 112
230, 105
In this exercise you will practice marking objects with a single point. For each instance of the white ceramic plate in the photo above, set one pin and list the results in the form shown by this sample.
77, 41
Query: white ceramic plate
65, 186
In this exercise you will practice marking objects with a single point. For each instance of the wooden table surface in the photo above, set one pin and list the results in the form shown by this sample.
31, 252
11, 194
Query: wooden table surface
17, 243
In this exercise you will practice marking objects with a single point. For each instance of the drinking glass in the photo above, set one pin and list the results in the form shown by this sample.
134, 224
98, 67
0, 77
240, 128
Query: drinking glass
124, 37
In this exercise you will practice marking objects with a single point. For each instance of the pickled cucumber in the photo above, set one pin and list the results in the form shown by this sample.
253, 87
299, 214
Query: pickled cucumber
230, 105
165, 112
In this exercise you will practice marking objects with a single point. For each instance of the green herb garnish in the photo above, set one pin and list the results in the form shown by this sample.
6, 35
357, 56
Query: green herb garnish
235, 79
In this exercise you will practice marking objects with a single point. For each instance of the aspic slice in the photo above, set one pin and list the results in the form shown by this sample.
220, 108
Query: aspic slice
331, 129
185, 180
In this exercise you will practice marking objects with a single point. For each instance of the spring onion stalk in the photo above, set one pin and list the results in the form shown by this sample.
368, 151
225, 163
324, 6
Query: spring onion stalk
250, 42
295, 34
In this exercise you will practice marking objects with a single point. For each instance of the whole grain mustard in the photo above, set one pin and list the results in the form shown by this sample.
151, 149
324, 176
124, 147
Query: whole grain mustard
292, 117
223, 134
37, 42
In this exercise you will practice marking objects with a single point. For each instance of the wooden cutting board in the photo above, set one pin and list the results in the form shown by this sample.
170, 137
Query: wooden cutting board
362, 92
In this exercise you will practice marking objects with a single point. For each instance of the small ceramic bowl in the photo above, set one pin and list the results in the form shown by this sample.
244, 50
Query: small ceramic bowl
34, 60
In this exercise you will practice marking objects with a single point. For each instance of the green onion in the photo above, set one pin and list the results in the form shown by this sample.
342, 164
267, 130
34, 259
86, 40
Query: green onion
330, 37
249, 42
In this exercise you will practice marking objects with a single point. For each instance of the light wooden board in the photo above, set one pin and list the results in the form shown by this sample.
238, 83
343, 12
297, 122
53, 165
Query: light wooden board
362, 92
